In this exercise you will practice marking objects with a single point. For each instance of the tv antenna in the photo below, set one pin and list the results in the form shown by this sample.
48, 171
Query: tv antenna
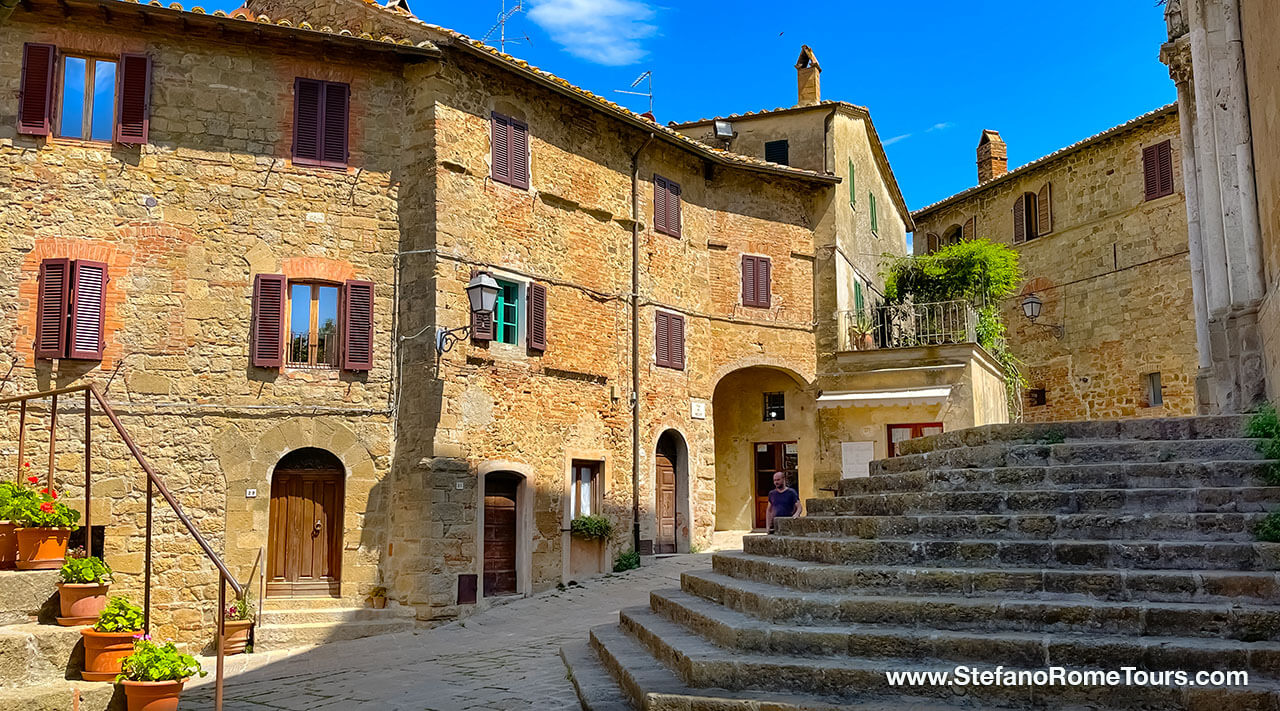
647, 76
501, 26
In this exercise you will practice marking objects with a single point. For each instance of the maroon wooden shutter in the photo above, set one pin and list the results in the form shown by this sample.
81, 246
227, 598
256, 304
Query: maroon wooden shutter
266, 332
662, 339
53, 295
1165, 154
659, 204
482, 328
1044, 205
673, 209
133, 111
306, 120
748, 280
357, 325
519, 145
500, 138
931, 243
88, 311
970, 229
764, 282
1019, 220
35, 97
676, 328
334, 122
537, 317
1151, 172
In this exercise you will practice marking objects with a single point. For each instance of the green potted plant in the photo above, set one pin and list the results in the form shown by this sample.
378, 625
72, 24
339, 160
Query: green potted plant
378, 597
82, 591
44, 526
863, 331
111, 639
10, 492
591, 527
237, 624
153, 675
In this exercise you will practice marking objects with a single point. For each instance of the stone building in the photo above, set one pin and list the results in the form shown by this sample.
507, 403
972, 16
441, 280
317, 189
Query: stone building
1226, 73
1100, 230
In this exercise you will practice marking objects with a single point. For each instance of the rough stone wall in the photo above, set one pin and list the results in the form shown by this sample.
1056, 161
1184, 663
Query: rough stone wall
228, 204
1114, 273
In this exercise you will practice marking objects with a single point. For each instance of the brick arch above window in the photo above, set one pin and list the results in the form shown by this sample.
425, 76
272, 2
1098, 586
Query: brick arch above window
317, 269
117, 263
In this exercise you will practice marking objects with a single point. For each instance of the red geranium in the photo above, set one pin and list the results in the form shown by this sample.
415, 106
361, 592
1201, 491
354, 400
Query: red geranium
33, 479
46, 506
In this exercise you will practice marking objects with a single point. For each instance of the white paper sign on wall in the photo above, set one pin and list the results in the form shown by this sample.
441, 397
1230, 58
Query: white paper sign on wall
698, 410
855, 459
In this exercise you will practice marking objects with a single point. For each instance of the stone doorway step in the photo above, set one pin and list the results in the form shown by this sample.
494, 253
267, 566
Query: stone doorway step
289, 623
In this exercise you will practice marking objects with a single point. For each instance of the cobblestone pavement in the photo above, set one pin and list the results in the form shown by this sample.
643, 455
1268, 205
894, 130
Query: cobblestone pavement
504, 658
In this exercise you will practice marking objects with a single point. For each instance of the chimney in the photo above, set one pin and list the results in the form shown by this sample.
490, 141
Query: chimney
993, 156
808, 92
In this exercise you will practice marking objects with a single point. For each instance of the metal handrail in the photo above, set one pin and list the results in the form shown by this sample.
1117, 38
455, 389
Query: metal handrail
907, 325
153, 481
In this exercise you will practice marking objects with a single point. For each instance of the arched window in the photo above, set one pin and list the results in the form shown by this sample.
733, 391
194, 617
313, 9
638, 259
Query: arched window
1033, 215
953, 235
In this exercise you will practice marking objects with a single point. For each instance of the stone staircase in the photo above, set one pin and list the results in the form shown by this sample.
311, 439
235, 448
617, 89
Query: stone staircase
1090, 546
304, 622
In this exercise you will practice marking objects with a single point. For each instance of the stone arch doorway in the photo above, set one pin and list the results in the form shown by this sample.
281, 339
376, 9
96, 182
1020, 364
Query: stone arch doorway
502, 522
304, 536
671, 493
764, 422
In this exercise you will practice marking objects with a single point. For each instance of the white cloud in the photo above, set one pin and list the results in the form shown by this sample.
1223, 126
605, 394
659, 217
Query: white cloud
895, 139
601, 31
939, 127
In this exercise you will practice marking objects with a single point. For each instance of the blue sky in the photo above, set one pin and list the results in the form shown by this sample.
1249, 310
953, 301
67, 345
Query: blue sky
934, 73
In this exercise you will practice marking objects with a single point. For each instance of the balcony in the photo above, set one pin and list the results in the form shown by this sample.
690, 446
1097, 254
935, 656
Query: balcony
907, 326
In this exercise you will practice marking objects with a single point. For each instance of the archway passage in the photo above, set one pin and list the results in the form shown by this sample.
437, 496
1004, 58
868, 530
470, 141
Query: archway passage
500, 525
667, 460
304, 538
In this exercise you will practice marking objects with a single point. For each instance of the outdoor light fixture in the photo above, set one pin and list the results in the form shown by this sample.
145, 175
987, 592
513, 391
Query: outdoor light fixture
724, 130
482, 295
1031, 306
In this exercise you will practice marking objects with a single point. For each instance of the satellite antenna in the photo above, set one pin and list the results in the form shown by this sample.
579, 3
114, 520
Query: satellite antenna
501, 26
643, 77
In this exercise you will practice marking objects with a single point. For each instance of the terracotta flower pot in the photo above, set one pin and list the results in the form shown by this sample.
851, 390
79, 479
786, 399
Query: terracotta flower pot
237, 635
8, 546
81, 602
42, 548
103, 652
153, 695
378, 602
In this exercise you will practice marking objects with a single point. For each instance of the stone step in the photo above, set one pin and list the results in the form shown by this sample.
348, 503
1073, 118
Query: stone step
288, 636
771, 603
1081, 452
1123, 554
596, 689
735, 630
24, 593
700, 662
33, 654
1255, 499
1137, 475
64, 696
307, 603
1246, 587
1172, 428
336, 615
1169, 527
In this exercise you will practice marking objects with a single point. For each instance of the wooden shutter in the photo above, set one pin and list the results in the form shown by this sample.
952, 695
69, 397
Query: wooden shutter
662, 339
1165, 154
518, 134
53, 295
1044, 207
357, 325
675, 327
482, 327
334, 123
537, 308
266, 332
970, 229
748, 280
88, 310
875, 222
133, 110
35, 95
673, 208
931, 243
853, 190
500, 147
1019, 220
764, 282
307, 94
659, 204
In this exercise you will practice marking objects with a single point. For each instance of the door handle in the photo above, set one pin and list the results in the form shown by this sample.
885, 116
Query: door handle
315, 531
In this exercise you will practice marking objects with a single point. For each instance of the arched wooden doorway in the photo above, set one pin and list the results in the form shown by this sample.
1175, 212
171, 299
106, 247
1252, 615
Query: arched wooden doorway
670, 468
304, 541
501, 524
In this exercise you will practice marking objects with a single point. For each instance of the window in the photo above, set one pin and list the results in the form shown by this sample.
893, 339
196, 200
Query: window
1036, 397
901, 433
587, 495
757, 281
320, 119
313, 325
953, 235
506, 313
669, 340
519, 307
71, 309
509, 150
1154, 388
775, 407
1157, 170
777, 152
86, 90
859, 296
1033, 215
875, 222
666, 206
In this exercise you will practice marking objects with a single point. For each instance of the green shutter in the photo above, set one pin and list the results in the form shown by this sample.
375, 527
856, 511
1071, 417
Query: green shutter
506, 313
853, 191
858, 299
875, 225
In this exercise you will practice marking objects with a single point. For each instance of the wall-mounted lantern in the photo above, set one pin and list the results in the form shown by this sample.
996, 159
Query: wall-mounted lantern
482, 295
1031, 307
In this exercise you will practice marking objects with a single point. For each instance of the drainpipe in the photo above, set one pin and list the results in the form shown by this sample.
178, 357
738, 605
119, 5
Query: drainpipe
635, 344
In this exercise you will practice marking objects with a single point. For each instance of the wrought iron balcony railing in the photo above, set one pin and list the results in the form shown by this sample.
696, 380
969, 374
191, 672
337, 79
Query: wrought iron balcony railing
907, 325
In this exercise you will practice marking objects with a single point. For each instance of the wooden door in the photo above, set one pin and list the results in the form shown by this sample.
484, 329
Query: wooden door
770, 458
666, 542
500, 535
901, 433
304, 556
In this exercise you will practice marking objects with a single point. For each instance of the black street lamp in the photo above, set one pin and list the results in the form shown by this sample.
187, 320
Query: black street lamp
1031, 307
482, 295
